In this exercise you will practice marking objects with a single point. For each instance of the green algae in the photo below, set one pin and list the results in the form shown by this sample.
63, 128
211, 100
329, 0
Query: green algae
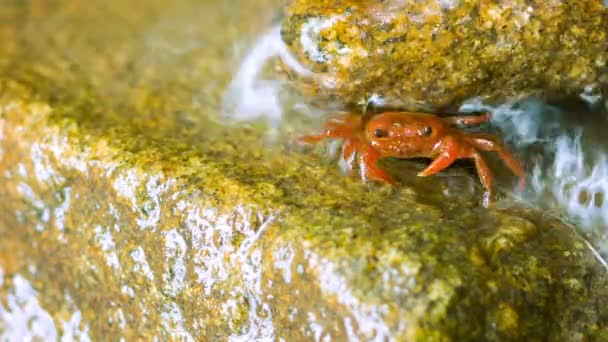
432, 55
142, 204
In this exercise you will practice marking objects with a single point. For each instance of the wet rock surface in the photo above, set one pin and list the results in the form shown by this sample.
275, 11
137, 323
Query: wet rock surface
431, 55
129, 205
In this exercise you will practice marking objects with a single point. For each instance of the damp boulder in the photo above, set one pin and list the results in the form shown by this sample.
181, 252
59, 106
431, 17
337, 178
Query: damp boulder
432, 55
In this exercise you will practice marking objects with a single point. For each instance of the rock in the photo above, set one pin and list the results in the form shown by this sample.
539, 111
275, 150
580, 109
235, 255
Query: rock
431, 55
129, 211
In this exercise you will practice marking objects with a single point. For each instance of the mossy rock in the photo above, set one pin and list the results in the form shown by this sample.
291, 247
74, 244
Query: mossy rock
123, 196
432, 55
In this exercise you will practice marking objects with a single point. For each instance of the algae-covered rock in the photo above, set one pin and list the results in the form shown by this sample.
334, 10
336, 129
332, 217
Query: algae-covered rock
134, 212
427, 55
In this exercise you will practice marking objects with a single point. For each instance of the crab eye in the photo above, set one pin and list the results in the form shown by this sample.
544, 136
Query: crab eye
380, 133
426, 131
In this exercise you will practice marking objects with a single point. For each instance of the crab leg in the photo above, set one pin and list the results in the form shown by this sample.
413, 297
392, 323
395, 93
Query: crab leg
313, 138
337, 132
369, 170
489, 143
336, 127
485, 176
447, 155
483, 171
349, 149
467, 120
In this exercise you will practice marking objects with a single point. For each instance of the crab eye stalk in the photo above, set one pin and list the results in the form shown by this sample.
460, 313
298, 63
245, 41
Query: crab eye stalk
426, 131
380, 133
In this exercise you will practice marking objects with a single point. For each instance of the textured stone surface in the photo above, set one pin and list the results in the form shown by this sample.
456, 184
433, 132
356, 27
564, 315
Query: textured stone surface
134, 212
429, 55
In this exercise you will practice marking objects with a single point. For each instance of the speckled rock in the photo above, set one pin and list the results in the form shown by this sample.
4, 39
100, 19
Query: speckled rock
430, 55
129, 210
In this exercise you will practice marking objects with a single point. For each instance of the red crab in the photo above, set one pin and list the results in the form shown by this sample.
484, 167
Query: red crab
411, 135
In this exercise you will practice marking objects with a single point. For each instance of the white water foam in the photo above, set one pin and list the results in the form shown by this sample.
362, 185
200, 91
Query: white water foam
22, 318
572, 172
248, 97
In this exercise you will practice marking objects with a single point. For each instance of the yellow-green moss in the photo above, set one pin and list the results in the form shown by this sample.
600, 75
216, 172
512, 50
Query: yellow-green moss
115, 133
429, 55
